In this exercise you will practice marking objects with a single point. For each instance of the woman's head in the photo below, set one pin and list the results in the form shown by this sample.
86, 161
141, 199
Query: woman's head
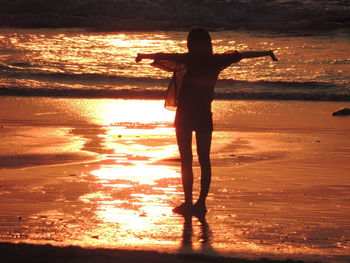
199, 42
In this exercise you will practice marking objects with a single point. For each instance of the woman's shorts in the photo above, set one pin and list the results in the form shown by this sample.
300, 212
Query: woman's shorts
199, 120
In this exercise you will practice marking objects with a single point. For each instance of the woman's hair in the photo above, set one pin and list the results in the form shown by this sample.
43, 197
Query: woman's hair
199, 36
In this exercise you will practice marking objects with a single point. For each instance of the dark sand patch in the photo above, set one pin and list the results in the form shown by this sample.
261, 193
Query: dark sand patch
29, 160
47, 253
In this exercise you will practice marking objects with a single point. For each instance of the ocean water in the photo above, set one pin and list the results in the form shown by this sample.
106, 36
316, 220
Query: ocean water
276, 15
81, 63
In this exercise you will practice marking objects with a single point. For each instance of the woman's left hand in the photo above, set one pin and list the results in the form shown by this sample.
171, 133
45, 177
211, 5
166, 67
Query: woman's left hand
138, 58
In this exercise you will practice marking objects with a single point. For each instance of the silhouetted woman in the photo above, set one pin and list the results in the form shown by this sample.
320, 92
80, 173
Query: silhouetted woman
193, 112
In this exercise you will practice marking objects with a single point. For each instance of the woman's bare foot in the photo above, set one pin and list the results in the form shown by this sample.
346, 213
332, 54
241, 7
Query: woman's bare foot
199, 210
183, 209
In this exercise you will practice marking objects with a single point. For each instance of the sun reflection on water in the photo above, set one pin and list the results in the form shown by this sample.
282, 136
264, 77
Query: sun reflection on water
137, 173
134, 190
116, 112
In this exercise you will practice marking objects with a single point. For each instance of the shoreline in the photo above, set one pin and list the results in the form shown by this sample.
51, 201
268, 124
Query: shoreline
159, 95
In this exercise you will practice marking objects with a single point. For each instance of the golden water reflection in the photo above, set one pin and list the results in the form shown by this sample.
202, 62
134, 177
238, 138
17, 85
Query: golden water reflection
118, 112
136, 180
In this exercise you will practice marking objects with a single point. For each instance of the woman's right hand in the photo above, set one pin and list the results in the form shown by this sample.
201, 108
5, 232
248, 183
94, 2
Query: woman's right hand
272, 55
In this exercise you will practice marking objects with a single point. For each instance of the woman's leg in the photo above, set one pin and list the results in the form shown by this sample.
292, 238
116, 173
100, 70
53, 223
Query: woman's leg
184, 142
203, 140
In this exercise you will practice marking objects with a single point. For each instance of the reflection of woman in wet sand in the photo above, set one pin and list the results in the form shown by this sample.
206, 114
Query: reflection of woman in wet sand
204, 237
193, 111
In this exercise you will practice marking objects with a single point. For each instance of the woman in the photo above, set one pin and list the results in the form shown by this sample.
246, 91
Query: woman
193, 112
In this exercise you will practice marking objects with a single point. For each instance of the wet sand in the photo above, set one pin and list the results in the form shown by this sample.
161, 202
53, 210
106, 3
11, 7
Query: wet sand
105, 174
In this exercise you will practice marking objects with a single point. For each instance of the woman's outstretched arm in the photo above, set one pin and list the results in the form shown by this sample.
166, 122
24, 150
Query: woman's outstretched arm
145, 56
256, 54
166, 56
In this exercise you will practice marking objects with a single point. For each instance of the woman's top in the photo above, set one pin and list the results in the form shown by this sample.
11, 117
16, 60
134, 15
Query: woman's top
191, 89
193, 79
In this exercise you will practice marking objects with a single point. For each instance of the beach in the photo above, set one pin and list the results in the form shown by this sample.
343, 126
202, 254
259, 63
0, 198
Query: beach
89, 165
101, 173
